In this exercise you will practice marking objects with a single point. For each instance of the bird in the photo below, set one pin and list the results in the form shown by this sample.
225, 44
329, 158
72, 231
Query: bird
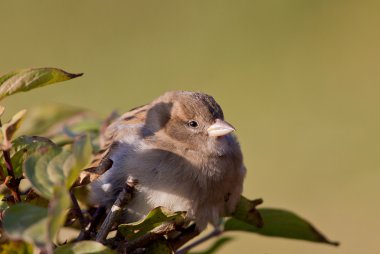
183, 154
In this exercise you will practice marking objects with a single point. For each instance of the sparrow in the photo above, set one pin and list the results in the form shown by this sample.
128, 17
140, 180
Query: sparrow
183, 155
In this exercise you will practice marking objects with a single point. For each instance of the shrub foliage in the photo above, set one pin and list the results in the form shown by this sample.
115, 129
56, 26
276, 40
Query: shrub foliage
44, 186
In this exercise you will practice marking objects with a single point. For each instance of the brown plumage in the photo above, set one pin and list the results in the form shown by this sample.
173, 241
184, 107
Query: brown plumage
182, 153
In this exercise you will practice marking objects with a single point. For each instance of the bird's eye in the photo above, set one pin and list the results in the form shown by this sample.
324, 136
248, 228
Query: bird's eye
193, 124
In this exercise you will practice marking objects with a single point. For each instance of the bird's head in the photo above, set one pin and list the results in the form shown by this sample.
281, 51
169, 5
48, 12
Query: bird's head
192, 120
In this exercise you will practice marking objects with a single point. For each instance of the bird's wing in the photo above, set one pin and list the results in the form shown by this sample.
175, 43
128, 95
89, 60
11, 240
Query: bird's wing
99, 165
109, 142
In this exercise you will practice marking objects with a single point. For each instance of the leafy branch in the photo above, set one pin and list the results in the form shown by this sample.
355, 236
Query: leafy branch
55, 197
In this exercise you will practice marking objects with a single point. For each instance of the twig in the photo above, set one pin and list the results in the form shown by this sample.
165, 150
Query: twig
12, 183
2, 176
215, 233
89, 231
78, 212
140, 242
123, 198
8, 163
96, 218
186, 235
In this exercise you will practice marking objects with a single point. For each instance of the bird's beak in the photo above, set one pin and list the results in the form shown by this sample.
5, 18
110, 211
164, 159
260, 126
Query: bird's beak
220, 128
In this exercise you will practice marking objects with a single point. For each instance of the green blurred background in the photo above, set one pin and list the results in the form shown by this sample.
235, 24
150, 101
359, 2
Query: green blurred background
299, 79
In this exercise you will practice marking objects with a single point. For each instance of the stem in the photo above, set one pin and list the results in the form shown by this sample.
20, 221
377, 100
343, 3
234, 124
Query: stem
12, 183
186, 235
2, 176
79, 213
96, 218
215, 233
8, 163
141, 242
123, 198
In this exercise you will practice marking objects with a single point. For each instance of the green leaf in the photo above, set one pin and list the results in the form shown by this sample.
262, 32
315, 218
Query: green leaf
7, 76
57, 211
25, 146
26, 222
31, 143
82, 152
215, 246
83, 247
43, 172
35, 224
57, 166
44, 119
9, 129
155, 218
27, 79
17, 162
246, 211
16, 247
280, 223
